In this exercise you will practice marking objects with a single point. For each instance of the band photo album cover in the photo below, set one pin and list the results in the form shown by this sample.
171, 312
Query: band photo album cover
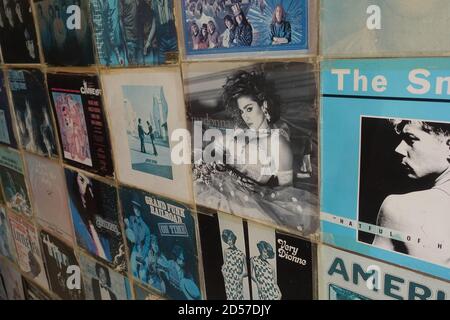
145, 108
134, 33
33, 112
48, 187
95, 217
65, 32
256, 262
17, 32
13, 181
162, 244
244, 26
83, 131
267, 107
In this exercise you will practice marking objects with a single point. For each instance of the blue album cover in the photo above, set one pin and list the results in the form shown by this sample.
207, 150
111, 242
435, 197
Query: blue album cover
236, 26
128, 32
338, 293
33, 112
6, 128
386, 160
162, 244
95, 217
66, 35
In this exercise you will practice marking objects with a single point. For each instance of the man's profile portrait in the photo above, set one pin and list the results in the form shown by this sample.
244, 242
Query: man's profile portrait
405, 186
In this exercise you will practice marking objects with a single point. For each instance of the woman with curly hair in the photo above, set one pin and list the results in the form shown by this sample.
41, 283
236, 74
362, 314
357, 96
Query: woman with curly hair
263, 188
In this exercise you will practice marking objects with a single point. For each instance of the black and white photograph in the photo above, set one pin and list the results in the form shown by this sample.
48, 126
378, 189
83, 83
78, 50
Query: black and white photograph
33, 112
17, 32
268, 108
405, 186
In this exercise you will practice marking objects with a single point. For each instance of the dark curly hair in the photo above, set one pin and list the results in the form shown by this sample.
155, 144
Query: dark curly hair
253, 85
226, 234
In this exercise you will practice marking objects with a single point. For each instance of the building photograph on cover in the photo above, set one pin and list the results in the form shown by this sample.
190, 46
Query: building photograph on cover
162, 244
48, 187
95, 217
33, 113
266, 166
7, 136
102, 283
10, 282
28, 250
6, 242
145, 108
60, 261
130, 33
83, 132
66, 35
233, 26
405, 186
255, 262
13, 181
17, 33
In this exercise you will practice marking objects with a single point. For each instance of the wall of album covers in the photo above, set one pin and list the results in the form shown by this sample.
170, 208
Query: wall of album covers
224, 149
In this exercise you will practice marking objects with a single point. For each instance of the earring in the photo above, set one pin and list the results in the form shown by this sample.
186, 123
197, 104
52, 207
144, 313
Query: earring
265, 112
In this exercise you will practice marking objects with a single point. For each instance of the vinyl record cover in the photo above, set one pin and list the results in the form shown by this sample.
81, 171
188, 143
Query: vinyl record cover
17, 33
66, 35
245, 26
62, 268
244, 260
374, 28
27, 247
13, 181
7, 136
33, 292
162, 244
141, 293
95, 217
82, 127
146, 109
101, 283
255, 145
390, 162
10, 282
48, 187
6, 241
132, 33
347, 276
33, 112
